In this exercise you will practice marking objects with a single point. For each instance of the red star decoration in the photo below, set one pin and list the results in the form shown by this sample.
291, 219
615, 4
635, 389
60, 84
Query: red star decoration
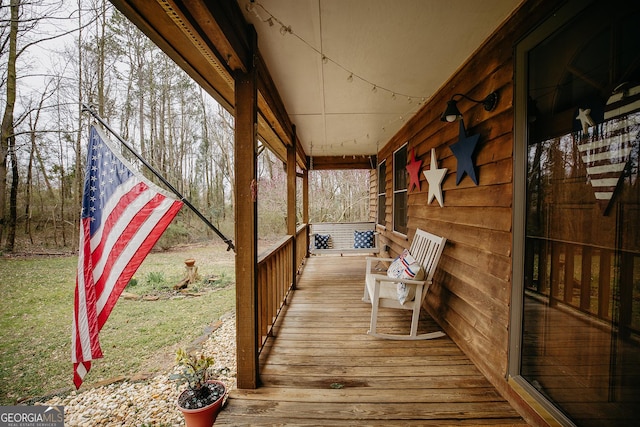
413, 168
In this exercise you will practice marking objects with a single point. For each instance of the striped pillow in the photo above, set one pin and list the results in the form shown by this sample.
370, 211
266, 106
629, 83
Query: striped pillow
405, 267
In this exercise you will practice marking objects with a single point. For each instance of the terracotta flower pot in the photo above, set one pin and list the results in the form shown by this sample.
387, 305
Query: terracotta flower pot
203, 417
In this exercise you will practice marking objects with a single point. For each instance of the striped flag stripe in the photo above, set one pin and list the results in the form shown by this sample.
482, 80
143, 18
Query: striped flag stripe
121, 231
121, 259
105, 237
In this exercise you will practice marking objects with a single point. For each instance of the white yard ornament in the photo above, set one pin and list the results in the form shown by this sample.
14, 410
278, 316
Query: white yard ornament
435, 177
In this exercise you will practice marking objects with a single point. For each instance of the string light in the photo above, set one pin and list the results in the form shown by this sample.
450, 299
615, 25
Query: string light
286, 29
354, 141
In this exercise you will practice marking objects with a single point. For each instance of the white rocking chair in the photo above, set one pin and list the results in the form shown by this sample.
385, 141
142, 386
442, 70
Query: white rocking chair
381, 290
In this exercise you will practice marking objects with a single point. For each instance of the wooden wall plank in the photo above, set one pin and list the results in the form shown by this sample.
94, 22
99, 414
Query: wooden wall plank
470, 297
493, 218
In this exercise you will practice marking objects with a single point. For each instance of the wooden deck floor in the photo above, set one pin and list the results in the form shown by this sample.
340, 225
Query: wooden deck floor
323, 368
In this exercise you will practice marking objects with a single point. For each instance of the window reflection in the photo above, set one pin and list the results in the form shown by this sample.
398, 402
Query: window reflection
581, 317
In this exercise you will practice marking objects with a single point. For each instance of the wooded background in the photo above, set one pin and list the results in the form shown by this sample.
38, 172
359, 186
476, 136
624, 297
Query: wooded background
56, 55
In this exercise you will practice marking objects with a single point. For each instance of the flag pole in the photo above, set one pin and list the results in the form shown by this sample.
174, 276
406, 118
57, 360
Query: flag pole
160, 177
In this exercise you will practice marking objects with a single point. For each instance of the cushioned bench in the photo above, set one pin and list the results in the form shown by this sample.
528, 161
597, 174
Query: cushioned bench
343, 238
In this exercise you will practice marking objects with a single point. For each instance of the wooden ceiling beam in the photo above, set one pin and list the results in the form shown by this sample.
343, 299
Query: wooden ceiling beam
274, 113
342, 162
210, 41
224, 26
272, 104
177, 38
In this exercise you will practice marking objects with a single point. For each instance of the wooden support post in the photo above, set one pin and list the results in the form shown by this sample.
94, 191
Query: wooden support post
305, 196
585, 278
543, 264
246, 119
291, 202
604, 284
625, 293
569, 273
554, 282
305, 206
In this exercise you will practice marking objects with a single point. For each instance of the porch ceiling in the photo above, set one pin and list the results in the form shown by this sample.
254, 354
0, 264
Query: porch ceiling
404, 47
409, 48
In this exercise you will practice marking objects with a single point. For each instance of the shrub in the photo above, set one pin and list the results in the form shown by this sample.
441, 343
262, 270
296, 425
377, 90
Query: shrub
155, 278
174, 235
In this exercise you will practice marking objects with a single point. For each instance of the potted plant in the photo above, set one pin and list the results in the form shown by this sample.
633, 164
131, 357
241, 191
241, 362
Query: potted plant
202, 400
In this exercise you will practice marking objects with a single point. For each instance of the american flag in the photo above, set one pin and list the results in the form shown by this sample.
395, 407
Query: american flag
123, 216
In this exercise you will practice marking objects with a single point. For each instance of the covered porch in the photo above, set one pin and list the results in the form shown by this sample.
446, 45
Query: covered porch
303, 353
319, 367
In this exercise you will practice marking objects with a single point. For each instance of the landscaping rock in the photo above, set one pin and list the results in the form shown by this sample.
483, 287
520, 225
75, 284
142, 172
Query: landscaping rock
137, 401
129, 296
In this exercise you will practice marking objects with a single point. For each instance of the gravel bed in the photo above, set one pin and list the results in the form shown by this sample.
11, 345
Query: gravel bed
151, 402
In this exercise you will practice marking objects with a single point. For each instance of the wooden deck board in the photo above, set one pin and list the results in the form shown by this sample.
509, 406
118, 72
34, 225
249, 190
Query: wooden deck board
323, 369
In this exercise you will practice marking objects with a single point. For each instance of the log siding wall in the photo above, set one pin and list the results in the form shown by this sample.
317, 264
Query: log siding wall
470, 297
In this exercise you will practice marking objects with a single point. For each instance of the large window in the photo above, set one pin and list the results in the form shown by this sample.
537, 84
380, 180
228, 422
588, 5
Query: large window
400, 190
579, 285
382, 193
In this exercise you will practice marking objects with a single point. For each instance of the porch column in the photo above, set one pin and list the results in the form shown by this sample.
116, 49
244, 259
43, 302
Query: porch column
246, 215
305, 205
305, 196
291, 202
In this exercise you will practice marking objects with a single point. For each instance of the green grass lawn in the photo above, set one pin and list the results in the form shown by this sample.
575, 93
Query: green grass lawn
36, 300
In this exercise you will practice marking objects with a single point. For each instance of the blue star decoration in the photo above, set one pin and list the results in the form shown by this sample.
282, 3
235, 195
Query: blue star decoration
463, 150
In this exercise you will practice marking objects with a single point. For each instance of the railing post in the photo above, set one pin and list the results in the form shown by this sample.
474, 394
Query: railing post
247, 334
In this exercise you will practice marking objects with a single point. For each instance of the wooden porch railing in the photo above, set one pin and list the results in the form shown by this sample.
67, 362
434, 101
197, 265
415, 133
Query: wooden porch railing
302, 245
583, 277
276, 274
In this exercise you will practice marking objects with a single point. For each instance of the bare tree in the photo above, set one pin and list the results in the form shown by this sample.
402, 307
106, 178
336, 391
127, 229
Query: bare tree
78, 180
7, 132
339, 196
179, 129
24, 19
34, 117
